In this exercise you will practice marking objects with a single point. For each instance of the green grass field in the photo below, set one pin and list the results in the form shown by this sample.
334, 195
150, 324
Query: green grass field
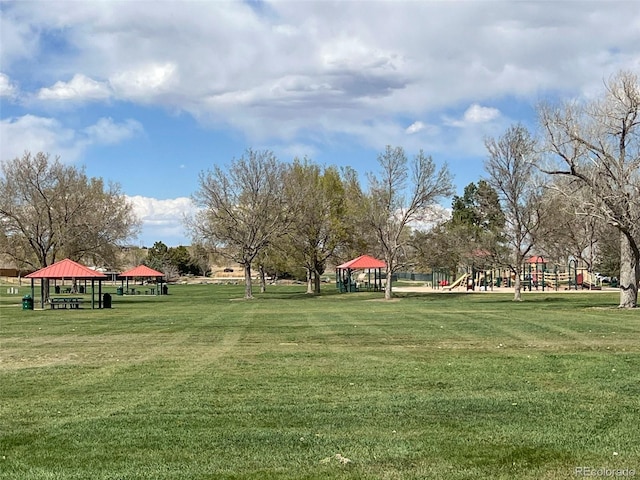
200, 384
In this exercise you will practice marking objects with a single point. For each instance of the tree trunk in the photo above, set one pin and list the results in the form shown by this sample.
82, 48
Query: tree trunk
263, 280
309, 282
248, 293
316, 282
517, 294
388, 294
629, 274
45, 282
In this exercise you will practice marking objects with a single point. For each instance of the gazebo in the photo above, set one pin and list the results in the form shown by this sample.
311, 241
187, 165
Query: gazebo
369, 266
68, 270
144, 272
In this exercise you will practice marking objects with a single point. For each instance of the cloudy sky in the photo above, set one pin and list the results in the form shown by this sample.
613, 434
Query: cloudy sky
149, 94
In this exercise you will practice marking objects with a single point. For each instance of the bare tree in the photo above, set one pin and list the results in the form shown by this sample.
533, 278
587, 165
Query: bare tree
597, 143
405, 192
569, 230
49, 211
243, 210
510, 166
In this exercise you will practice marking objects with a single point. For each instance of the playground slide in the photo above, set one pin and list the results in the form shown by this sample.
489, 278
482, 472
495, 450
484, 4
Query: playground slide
590, 282
457, 283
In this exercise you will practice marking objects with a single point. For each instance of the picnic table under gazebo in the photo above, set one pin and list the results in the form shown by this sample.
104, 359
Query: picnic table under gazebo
144, 273
370, 277
67, 269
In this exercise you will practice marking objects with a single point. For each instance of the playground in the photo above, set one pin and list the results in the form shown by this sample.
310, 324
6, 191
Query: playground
552, 284
537, 275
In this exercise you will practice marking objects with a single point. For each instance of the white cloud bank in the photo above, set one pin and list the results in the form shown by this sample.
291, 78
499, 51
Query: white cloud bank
47, 134
80, 88
7, 88
163, 220
295, 71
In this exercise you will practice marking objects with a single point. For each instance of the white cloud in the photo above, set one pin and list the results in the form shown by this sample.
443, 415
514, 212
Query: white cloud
144, 82
415, 127
108, 132
295, 150
7, 88
478, 114
286, 70
38, 134
79, 88
19, 38
162, 220
44, 134
474, 115
436, 215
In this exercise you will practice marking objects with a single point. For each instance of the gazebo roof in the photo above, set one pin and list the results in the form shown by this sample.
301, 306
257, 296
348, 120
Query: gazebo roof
363, 261
66, 269
141, 271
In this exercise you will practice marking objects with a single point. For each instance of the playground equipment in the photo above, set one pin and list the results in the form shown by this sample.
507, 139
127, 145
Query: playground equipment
590, 281
460, 281
537, 273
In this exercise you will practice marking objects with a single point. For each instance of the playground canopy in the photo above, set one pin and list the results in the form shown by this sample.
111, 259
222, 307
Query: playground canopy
536, 259
70, 270
346, 283
142, 271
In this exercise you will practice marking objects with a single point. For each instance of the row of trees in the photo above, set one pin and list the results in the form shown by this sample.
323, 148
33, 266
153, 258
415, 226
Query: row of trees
557, 194
574, 185
262, 212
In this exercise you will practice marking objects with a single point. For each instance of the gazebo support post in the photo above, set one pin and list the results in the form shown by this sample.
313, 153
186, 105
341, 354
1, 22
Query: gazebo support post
33, 291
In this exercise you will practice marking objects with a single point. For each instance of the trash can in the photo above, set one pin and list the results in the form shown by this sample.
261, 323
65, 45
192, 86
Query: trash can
106, 300
119, 291
57, 289
165, 290
81, 289
27, 302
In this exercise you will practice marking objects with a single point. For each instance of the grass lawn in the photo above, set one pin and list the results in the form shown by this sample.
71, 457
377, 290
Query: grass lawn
200, 384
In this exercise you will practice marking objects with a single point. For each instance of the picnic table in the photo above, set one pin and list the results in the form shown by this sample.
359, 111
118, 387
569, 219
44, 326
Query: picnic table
65, 302
133, 291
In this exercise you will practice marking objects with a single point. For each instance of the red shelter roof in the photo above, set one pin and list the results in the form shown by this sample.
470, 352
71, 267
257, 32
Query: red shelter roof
536, 259
363, 261
66, 269
141, 271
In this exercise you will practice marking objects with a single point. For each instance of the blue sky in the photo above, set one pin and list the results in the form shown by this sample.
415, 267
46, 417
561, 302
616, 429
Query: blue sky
149, 94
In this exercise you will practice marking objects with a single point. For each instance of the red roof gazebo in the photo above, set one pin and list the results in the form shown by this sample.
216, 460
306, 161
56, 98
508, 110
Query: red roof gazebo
142, 271
67, 270
369, 265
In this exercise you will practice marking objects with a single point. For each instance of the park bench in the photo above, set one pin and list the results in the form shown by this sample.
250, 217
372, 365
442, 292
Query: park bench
65, 302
